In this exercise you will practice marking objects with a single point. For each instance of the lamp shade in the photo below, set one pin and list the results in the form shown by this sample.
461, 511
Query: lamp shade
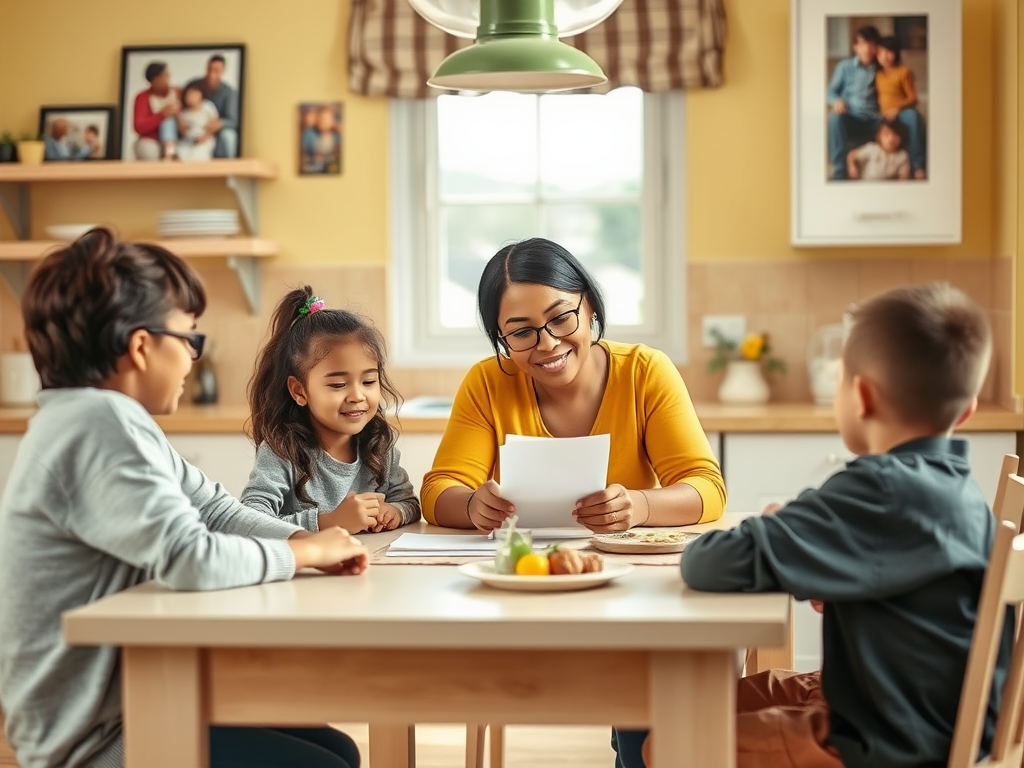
462, 17
517, 49
525, 64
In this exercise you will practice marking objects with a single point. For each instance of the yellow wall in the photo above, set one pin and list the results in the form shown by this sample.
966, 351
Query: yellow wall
738, 144
738, 136
296, 51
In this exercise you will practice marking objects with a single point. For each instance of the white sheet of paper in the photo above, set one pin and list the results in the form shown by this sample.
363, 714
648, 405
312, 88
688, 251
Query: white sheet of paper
545, 476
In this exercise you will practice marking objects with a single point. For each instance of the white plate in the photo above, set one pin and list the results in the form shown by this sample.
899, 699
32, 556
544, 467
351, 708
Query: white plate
485, 573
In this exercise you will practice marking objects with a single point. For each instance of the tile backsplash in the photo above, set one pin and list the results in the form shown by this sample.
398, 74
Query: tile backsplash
787, 299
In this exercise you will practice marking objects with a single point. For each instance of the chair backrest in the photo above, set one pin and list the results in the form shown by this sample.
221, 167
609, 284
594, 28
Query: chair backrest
1003, 586
1009, 467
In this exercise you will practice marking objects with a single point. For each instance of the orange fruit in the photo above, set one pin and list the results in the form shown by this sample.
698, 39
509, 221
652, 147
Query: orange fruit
533, 565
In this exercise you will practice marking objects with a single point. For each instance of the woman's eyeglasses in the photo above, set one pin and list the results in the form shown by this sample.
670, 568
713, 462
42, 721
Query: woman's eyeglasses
195, 341
524, 339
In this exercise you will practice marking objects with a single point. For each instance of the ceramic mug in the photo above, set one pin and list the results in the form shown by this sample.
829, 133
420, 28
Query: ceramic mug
19, 381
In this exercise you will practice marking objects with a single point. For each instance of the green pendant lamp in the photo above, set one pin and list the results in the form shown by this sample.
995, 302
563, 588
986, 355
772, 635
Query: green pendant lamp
517, 49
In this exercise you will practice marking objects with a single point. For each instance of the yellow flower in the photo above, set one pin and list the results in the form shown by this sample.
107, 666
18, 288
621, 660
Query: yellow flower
752, 347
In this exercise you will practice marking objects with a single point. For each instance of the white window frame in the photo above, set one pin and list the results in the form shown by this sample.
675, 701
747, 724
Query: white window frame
418, 341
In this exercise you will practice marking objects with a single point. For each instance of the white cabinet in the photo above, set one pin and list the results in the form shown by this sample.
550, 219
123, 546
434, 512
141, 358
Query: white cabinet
226, 459
764, 468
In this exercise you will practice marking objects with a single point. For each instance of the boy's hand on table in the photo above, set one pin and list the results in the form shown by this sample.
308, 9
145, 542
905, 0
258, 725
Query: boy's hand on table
817, 605
333, 550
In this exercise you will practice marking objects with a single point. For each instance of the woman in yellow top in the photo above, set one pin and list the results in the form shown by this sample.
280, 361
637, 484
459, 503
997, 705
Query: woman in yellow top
553, 376
897, 100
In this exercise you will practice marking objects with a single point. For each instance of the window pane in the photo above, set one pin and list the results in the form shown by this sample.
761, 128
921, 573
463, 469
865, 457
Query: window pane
592, 144
606, 237
487, 145
471, 235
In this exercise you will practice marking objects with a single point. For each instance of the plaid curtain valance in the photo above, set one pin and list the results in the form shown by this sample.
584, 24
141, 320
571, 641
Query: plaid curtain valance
656, 45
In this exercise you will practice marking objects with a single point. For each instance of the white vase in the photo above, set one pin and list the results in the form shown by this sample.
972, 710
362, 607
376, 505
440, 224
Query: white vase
743, 383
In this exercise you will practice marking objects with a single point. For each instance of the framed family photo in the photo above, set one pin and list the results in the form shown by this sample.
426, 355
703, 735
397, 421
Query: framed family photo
320, 138
182, 102
876, 122
78, 132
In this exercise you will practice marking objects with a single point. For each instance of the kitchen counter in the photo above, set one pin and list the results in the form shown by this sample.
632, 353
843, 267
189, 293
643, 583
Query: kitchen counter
716, 417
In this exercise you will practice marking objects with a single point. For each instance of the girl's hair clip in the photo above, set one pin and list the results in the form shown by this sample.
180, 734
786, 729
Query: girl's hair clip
313, 304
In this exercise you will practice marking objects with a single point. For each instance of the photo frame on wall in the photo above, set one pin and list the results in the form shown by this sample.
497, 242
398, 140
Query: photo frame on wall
876, 122
320, 138
182, 102
78, 132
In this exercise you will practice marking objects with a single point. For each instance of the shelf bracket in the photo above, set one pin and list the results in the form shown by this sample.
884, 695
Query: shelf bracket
245, 193
14, 199
248, 271
15, 274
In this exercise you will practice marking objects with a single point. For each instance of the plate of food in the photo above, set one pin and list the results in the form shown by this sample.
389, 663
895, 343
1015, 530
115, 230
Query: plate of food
643, 542
549, 579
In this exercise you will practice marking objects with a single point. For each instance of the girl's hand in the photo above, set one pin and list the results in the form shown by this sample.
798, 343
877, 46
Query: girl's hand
357, 513
388, 519
612, 509
487, 510
818, 605
333, 550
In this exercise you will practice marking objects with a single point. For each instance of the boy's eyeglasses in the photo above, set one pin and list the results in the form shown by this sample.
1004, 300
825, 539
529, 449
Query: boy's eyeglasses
195, 341
558, 326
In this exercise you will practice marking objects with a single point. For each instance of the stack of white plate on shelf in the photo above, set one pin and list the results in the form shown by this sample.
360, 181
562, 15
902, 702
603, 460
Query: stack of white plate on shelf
201, 222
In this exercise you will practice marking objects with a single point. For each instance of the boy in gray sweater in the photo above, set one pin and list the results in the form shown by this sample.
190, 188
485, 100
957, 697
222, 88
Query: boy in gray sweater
98, 501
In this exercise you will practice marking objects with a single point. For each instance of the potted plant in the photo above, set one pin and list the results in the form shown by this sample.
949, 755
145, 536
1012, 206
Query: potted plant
7, 154
744, 363
31, 149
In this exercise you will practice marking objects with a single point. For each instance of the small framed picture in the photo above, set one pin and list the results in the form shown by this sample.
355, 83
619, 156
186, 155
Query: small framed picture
319, 138
876, 122
79, 132
182, 102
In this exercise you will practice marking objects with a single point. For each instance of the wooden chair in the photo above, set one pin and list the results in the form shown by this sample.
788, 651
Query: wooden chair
1010, 466
476, 736
1003, 586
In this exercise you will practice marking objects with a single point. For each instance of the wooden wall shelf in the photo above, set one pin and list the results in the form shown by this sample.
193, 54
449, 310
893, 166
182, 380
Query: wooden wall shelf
118, 170
240, 176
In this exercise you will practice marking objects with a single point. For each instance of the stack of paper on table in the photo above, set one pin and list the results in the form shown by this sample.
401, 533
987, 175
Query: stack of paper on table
469, 545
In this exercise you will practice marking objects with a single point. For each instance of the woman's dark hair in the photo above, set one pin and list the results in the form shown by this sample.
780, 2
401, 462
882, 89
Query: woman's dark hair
537, 261
84, 301
890, 43
297, 343
154, 70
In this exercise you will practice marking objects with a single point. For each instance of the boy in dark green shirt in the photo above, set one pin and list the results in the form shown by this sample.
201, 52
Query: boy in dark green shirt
893, 550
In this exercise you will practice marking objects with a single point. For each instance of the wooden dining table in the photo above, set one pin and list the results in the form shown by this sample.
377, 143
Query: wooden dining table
408, 644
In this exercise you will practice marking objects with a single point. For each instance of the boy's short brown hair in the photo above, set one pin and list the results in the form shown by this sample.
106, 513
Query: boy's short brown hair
927, 347
83, 302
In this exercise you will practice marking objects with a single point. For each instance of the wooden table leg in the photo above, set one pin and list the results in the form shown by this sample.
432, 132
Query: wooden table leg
166, 723
693, 708
392, 746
